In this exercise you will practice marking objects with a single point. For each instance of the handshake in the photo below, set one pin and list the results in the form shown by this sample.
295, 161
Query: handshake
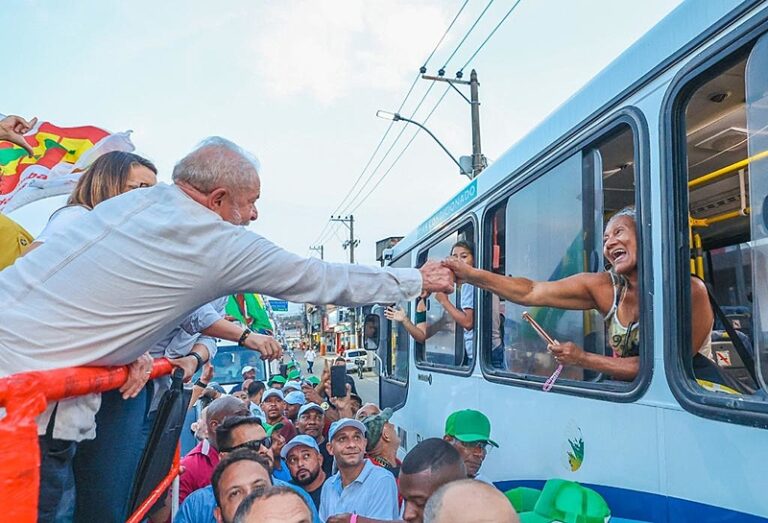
441, 276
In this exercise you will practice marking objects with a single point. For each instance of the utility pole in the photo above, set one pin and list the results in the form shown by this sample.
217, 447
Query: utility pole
321, 250
479, 161
318, 249
349, 223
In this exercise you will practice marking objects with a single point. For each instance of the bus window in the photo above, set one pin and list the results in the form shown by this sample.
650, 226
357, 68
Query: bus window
398, 341
449, 343
550, 229
724, 117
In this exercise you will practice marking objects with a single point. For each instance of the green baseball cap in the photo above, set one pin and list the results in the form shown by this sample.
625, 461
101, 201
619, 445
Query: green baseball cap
291, 364
272, 428
523, 498
294, 375
277, 378
563, 500
314, 380
468, 426
374, 426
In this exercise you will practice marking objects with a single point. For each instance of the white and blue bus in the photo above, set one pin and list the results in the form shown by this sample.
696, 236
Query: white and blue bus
678, 127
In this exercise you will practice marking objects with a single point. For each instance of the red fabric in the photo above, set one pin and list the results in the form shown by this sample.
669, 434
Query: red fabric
288, 431
198, 469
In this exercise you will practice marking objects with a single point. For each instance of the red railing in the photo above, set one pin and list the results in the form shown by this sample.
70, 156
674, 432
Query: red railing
26, 395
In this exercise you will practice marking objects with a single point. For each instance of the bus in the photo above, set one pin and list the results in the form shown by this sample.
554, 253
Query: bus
675, 126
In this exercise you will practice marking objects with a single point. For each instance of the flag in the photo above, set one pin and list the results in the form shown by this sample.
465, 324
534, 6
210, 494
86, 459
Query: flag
60, 156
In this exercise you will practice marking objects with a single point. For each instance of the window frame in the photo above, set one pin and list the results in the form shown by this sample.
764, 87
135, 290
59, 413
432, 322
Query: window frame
675, 249
613, 390
389, 349
453, 226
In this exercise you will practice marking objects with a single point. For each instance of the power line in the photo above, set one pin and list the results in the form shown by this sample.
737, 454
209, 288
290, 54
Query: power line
445, 34
392, 146
466, 35
491, 34
477, 51
386, 133
401, 152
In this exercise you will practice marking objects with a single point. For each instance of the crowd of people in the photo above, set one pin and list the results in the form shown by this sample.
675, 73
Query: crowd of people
288, 451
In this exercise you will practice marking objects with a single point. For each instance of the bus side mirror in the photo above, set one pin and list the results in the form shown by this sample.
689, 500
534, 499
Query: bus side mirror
379, 321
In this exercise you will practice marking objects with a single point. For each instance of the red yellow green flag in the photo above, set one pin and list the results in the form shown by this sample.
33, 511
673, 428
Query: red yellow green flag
60, 155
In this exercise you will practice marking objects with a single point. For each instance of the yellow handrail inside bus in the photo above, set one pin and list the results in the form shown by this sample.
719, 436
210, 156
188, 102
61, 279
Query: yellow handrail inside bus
726, 170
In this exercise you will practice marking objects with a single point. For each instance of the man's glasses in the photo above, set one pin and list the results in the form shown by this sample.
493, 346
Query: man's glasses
254, 445
476, 446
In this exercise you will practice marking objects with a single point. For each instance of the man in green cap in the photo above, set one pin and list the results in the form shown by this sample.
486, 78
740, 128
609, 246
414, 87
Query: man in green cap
277, 381
383, 441
469, 431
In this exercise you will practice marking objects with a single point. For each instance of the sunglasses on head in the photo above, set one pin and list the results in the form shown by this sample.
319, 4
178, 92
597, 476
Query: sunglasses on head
254, 445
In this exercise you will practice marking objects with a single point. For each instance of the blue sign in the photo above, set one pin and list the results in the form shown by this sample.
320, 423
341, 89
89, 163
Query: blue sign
278, 305
466, 195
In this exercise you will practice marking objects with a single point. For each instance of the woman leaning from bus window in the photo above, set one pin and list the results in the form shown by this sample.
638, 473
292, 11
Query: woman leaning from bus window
614, 294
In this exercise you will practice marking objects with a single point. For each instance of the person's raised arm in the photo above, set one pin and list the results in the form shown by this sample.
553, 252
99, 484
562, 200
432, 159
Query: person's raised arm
12, 129
465, 318
568, 353
398, 314
702, 316
574, 292
250, 263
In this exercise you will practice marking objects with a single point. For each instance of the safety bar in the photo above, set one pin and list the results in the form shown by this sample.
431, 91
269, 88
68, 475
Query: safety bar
701, 180
25, 396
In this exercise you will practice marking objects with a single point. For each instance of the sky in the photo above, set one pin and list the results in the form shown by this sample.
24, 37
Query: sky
298, 83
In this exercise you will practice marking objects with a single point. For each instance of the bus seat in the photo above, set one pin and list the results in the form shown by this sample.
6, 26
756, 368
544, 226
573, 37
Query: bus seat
727, 358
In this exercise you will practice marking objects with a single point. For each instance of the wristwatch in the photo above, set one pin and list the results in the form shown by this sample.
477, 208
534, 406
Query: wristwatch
325, 405
199, 383
244, 336
199, 360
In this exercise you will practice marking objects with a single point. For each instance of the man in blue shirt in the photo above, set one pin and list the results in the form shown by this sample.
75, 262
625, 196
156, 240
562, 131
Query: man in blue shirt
236, 433
359, 487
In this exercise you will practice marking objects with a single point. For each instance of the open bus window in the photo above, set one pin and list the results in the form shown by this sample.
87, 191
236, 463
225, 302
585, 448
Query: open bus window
550, 229
449, 320
398, 342
725, 122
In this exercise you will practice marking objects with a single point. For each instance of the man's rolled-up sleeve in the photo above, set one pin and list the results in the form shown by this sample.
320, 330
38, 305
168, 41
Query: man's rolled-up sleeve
201, 319
251, 263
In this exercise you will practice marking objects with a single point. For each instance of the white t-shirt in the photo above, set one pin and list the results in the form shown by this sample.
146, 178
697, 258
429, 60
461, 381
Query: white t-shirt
60, 220
105, 291
468, 302
310, 356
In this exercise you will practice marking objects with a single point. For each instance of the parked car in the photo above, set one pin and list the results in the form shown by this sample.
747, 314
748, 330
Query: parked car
352, 357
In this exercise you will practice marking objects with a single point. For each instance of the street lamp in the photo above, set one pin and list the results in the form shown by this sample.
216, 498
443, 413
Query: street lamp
396, 117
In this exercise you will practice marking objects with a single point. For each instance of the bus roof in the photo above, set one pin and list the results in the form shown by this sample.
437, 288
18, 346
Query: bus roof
649, 56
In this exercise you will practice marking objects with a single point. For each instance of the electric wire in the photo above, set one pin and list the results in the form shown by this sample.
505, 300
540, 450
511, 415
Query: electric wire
466, 35
474, 55
407, 145
329, 223
514, 6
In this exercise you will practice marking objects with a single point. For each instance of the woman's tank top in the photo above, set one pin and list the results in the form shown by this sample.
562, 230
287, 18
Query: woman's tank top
624, 341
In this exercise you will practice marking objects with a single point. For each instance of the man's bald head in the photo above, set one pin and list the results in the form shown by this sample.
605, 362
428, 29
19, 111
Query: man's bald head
469, 500
223, 177
221, 409
217, 162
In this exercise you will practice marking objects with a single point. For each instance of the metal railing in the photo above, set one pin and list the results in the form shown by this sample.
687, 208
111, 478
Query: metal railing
25, 396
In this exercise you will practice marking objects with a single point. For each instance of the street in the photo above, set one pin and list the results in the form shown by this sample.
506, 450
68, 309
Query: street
367, 388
